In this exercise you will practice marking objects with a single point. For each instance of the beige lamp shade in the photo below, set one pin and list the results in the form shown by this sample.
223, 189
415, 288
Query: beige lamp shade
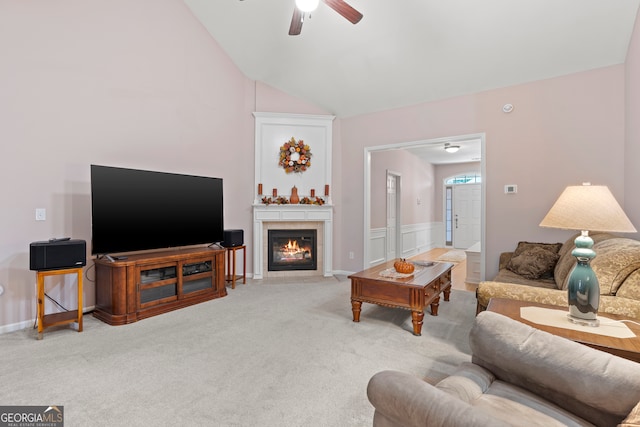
588, 207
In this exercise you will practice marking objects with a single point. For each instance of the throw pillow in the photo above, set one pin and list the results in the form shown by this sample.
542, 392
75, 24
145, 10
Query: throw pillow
533, 263
523, 246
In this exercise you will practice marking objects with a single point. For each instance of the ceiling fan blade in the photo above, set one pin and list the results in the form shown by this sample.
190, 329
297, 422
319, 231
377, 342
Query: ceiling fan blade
296, 22
345, 10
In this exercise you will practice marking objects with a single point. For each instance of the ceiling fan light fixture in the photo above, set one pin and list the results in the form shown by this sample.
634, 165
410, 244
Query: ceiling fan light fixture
307, 5
451, 148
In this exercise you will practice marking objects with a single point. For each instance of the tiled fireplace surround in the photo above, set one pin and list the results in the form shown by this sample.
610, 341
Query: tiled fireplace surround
272, 131
292, 217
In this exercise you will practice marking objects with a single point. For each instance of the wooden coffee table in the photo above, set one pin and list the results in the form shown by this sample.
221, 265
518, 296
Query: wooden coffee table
412, 293
628, 348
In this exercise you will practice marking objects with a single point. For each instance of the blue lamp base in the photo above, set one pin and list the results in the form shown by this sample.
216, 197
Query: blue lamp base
583, 287
583, 322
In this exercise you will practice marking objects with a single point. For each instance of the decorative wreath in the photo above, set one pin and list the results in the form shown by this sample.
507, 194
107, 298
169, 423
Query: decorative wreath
295, 156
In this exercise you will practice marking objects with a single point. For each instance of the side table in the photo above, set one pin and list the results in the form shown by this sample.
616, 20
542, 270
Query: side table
231, 265
54, 319
628, 348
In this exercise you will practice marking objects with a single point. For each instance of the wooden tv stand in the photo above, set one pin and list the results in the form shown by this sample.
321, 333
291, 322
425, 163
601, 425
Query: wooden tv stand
145, 285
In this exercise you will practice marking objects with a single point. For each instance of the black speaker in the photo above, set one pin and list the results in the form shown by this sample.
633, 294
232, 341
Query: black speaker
57, 254
233, 238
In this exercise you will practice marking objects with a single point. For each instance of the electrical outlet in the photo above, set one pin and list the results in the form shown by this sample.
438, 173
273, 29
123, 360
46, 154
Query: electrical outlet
1, 289
351, 255
41, 214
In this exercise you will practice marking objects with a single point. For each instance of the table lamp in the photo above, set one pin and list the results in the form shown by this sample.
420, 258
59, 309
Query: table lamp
586, 208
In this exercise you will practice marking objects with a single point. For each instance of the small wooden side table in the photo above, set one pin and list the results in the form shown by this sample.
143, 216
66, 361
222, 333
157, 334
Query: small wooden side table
54, 319
628, 348
231, 265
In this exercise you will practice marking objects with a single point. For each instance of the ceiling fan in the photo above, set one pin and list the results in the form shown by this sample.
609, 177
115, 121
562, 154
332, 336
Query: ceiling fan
304, 7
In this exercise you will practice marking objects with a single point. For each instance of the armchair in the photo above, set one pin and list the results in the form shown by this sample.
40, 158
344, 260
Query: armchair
518, 376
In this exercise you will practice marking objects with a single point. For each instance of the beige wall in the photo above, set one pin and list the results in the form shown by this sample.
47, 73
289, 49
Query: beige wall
417, 182
563, 131
124, 83
632, 122
160, 94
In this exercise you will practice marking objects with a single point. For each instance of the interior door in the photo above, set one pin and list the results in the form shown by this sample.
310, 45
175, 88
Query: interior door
466, 215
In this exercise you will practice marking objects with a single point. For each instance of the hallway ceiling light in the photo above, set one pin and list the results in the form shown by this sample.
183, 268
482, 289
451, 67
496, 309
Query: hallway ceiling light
451, 148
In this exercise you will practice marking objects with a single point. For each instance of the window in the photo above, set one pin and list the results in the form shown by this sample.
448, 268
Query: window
472, 178
448, 207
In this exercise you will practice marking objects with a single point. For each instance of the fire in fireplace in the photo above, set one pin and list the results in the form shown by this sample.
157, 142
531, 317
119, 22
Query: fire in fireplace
292, 250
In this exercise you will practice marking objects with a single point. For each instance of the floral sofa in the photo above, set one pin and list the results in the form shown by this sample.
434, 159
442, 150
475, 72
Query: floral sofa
538, 272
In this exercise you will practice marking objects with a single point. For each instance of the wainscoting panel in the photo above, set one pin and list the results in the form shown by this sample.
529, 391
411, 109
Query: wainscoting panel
377, 245
416, 238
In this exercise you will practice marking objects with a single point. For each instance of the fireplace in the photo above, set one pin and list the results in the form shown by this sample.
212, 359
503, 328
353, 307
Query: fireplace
289, 250
292, 218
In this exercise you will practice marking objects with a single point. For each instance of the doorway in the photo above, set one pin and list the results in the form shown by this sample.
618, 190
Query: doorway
370, 251
463, 215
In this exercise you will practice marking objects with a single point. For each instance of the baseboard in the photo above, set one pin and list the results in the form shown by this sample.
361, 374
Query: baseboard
5, 329
343, 272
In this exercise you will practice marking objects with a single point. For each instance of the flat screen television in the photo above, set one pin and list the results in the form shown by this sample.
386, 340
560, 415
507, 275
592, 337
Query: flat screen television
133, 210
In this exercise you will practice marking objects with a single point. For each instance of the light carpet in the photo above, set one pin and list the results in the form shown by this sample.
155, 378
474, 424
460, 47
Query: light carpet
454, 255
268, 354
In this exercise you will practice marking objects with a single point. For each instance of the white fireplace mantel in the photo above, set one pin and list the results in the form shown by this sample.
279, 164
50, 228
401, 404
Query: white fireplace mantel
288, 214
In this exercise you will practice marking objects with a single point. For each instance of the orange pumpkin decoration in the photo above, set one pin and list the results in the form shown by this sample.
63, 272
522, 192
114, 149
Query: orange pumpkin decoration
403, 266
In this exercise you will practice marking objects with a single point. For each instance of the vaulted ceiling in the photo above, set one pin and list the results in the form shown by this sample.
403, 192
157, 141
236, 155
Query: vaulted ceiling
405, 52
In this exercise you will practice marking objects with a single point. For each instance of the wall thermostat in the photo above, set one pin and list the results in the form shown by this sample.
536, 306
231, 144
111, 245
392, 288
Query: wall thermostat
510, 189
